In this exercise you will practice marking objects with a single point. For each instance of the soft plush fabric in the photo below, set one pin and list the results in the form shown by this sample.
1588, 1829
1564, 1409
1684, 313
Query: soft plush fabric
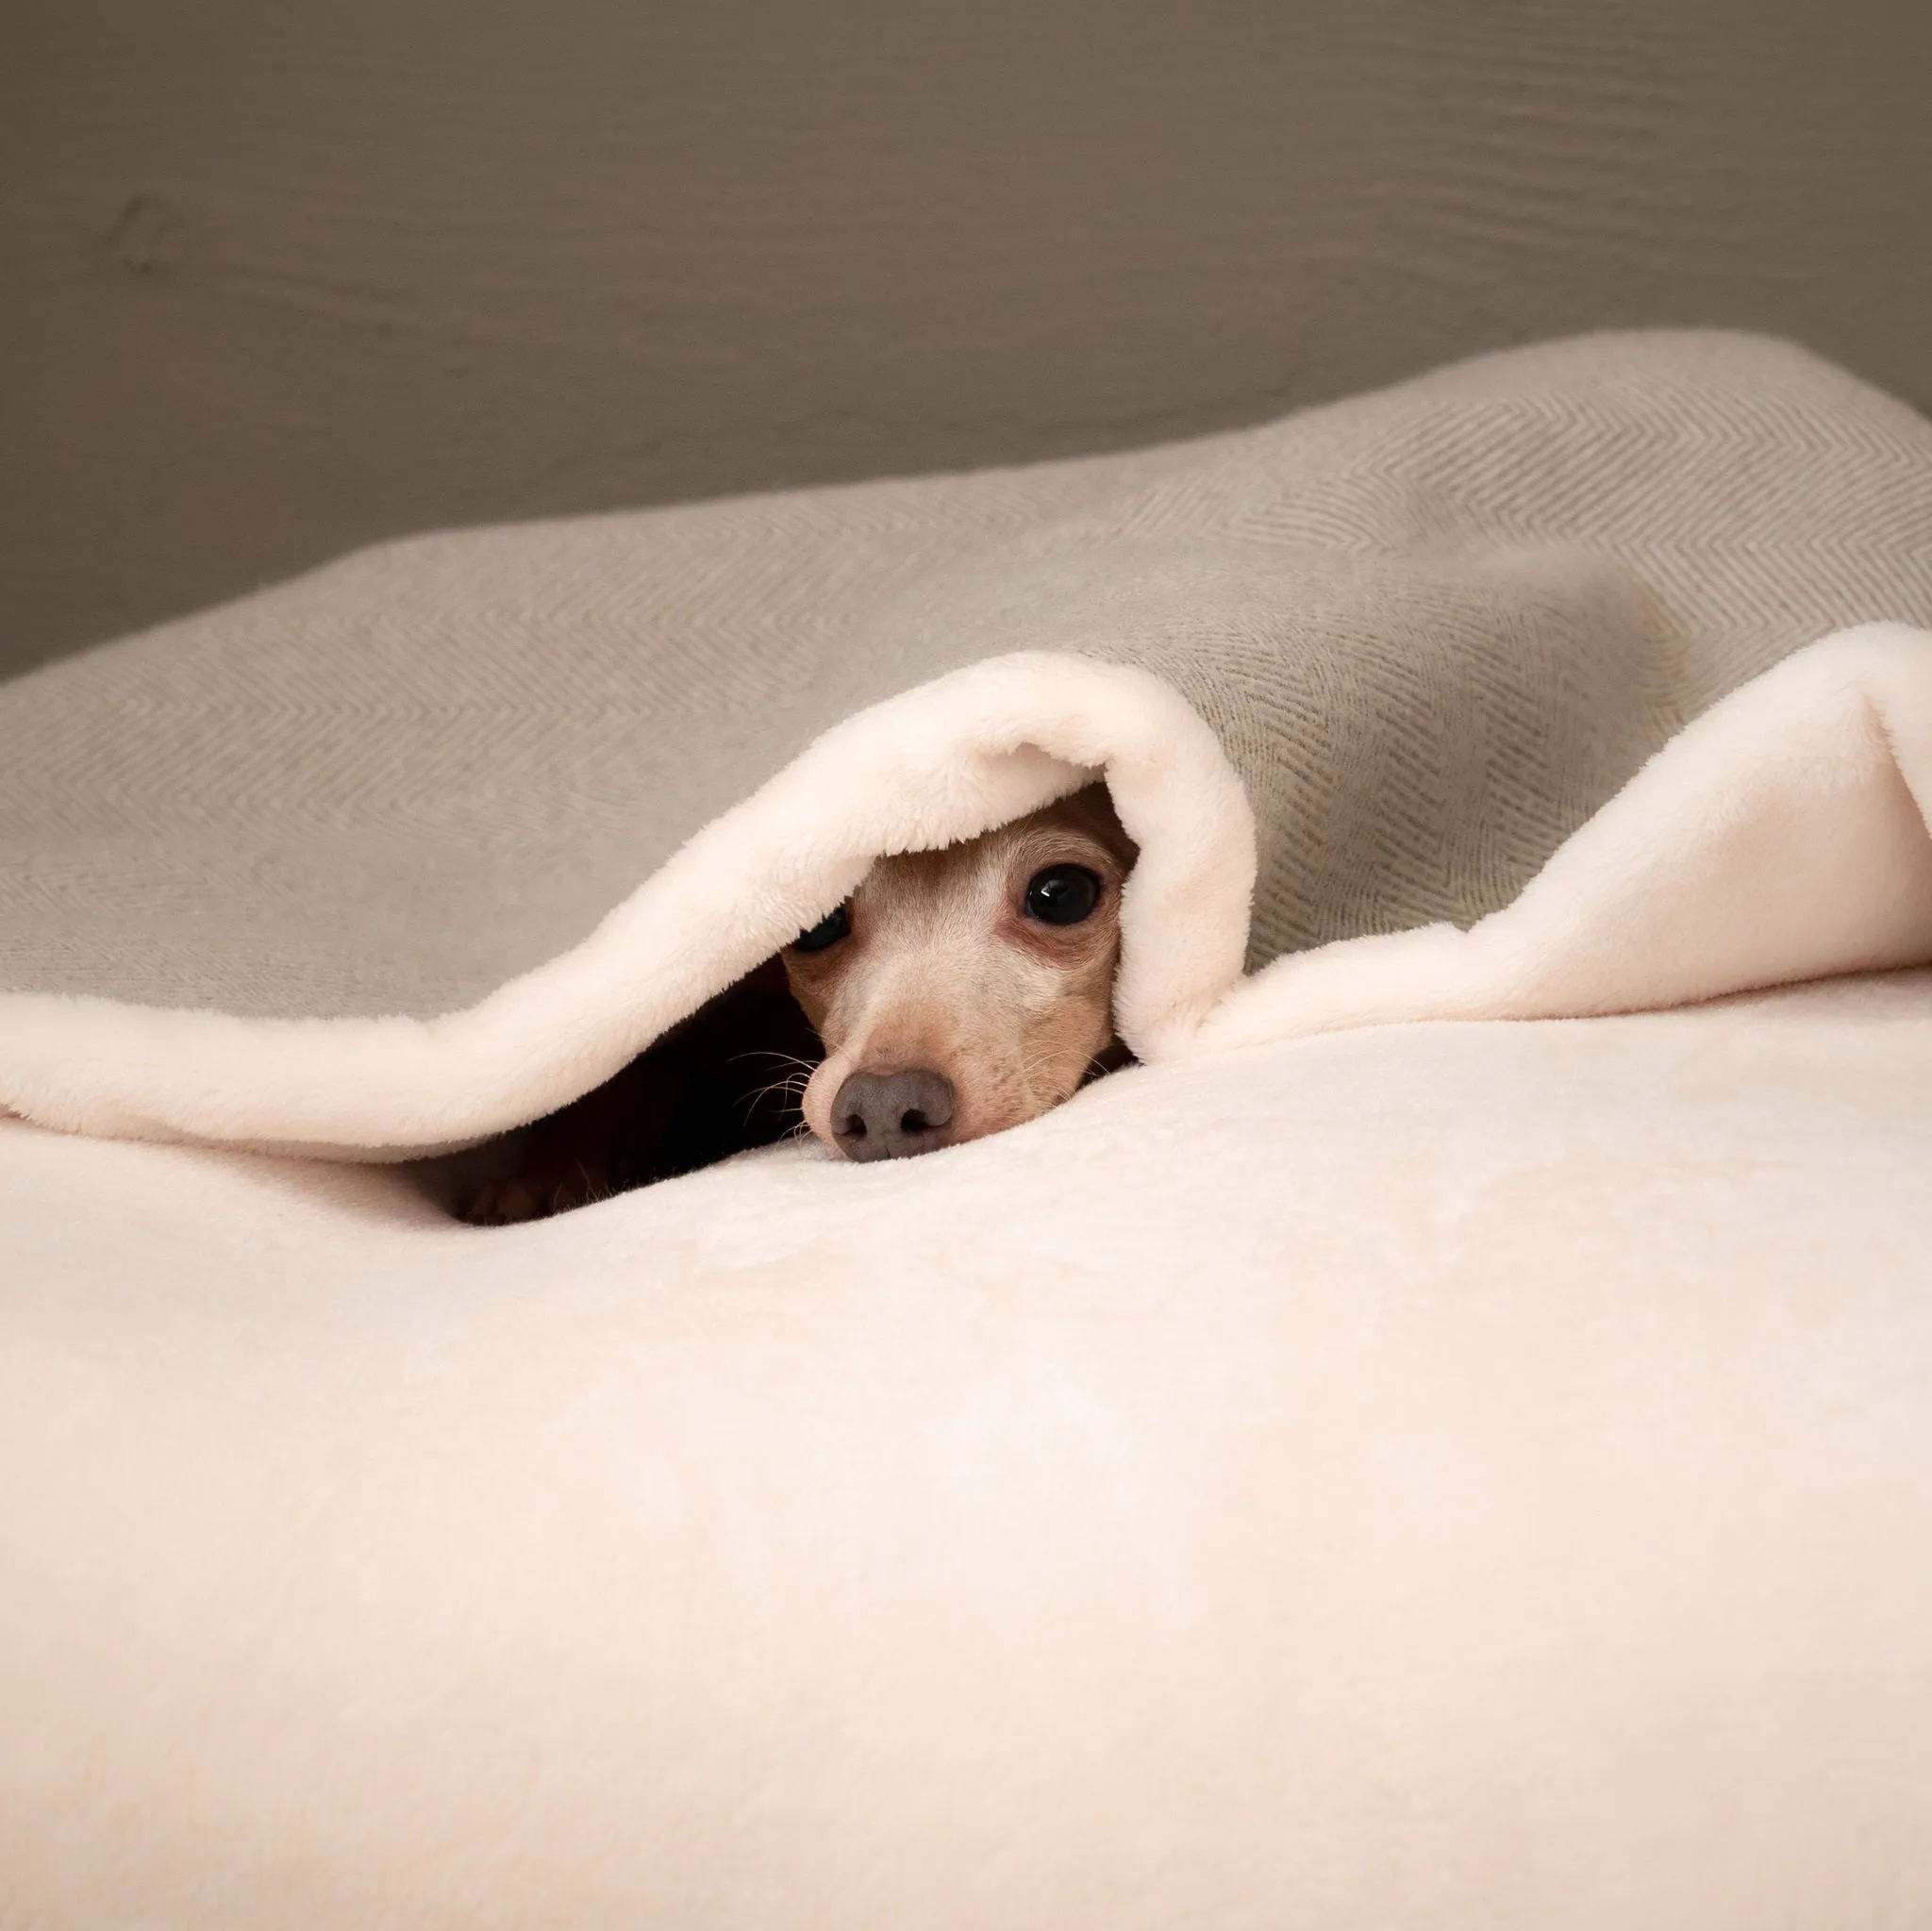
1409, 1456
1464, 1476
503, 805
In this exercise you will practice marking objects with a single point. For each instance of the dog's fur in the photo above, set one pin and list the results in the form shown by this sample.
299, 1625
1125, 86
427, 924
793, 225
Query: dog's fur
943, 973
942, 979
717, 1085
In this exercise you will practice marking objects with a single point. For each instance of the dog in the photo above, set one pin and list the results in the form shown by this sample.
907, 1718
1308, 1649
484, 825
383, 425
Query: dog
956, 993
959, 992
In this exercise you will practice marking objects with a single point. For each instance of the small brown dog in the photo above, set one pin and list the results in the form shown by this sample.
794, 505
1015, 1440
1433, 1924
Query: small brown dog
961, 991
956, 993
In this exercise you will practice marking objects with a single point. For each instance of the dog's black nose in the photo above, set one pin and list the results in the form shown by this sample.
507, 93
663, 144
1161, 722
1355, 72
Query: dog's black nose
885, 1116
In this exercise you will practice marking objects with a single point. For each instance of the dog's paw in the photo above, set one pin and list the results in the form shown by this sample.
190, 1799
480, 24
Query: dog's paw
531, 1195
501, 1203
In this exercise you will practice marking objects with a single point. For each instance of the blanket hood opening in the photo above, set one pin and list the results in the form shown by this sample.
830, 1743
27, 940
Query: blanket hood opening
935, 765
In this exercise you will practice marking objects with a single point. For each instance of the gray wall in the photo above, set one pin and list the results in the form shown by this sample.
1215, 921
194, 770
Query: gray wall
276, 279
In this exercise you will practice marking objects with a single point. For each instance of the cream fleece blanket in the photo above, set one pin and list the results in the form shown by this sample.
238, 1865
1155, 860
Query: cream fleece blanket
428, 842
1341, 1473
1419, 1478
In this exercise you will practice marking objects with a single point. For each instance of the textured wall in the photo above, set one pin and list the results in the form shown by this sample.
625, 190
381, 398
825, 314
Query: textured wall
277, 279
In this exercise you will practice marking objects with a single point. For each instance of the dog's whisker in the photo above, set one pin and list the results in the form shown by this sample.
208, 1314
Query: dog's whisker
791, 1084
789, 1092
1040, 1076
806, 1065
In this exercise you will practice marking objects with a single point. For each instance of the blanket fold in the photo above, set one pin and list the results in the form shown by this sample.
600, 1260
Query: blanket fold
426, 842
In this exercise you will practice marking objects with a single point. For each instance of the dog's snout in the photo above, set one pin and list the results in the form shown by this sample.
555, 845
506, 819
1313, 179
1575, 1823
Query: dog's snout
885, 1116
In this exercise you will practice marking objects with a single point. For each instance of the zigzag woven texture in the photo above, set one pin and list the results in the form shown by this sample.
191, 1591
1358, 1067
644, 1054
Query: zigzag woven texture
1433, 629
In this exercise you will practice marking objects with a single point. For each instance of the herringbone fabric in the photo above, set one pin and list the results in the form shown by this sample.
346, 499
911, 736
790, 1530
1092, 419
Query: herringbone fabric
1433, 629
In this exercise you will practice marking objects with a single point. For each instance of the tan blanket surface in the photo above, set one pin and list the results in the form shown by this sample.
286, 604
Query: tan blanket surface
503, 805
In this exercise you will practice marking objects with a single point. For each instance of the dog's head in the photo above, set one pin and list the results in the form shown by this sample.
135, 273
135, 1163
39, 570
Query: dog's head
961, 991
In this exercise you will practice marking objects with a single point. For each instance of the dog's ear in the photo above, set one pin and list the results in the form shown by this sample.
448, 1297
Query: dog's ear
1092, 810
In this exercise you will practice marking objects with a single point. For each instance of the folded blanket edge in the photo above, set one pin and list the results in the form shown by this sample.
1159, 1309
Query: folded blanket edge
941, 762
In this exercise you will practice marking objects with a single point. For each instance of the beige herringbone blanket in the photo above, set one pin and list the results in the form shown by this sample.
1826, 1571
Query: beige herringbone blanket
422, 843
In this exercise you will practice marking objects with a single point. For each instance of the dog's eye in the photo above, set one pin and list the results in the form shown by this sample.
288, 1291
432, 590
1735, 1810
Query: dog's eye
1062, 894
828, 931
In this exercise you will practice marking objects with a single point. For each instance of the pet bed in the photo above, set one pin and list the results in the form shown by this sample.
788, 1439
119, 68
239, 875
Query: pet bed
1368, 1465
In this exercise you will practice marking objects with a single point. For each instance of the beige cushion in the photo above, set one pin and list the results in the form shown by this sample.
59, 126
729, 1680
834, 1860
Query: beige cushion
1456, 1475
